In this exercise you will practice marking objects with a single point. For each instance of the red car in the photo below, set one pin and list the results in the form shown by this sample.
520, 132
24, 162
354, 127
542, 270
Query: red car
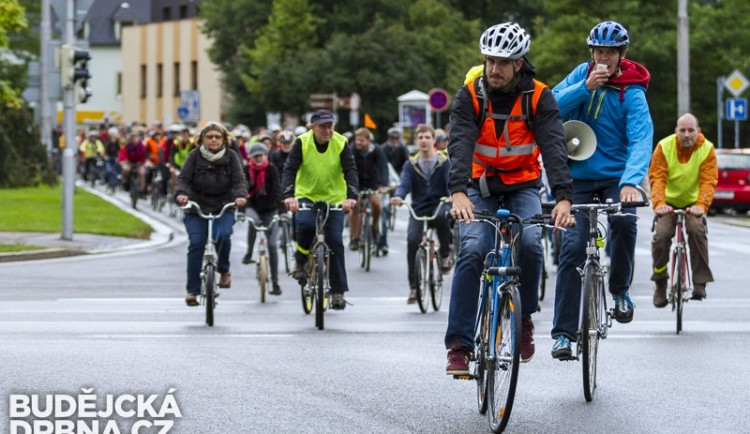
733, 190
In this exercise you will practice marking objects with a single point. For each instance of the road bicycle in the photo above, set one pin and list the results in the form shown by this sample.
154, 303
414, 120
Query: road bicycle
158, 186
209, 285
680, 280
594, 317
287, 244
494, 363
316, 287
429, 278
263, 267
367, 241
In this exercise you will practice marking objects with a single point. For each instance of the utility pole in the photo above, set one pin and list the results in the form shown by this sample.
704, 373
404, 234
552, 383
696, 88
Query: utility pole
45, 34
69, 128
683, 59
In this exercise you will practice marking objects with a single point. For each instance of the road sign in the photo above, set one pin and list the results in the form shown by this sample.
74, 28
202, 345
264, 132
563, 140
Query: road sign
321, 104
736, 109
439, 99
322, 96
182, 113
191, 99
736, 83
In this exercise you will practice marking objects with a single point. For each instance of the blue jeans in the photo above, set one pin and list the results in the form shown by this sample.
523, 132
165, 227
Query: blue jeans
476, 240
623, 231
414, 237
197, 230
333, 232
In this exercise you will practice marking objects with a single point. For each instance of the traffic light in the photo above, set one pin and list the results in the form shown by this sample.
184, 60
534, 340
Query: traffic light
74, 69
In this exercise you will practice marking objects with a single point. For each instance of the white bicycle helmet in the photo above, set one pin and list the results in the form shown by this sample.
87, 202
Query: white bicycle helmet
507, 40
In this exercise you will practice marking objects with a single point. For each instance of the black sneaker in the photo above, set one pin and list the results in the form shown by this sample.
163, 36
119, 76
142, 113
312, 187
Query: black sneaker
248, 259
354, 244
276, 290
623, 308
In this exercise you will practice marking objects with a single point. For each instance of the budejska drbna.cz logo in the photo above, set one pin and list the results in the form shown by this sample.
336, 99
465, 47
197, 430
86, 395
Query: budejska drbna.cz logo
89, 413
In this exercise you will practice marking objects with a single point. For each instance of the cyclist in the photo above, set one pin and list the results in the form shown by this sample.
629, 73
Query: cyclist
262, 206
486, 166
397, 154
372, 168
278, 157
111, 151
607, 92
212, 176
178, 147
441, 142
683, 175
155, 151
132, 158
321, 167
91, 149
425, 176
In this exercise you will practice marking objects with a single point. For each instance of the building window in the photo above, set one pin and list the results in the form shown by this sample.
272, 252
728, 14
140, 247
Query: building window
176, 75
166, 14
194, 75
144, 77
183, 12
159, 80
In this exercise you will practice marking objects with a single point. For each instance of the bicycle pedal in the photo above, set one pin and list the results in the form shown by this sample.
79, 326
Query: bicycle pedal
464, 377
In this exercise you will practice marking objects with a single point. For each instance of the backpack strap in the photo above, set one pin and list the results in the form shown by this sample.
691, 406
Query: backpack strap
527, 108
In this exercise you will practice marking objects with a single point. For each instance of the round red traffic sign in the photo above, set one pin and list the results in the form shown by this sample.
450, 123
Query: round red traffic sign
439, 99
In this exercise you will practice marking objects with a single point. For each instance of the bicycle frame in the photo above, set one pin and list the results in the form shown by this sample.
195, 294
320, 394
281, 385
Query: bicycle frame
263, 259
680, 248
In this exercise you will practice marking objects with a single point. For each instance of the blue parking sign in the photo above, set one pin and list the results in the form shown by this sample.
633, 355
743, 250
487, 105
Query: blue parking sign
736, 109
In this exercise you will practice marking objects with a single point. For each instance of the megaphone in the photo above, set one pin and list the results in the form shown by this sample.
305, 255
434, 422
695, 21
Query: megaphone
580, 140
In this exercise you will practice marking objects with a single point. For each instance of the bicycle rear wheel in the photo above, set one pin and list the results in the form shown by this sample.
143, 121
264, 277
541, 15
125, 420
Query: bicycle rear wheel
482, 341
320, 289
678, 291
422, 269
590, 320
503, 369
209, 292
262, 275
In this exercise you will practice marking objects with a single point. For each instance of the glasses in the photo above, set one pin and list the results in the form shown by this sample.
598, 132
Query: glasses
214, 137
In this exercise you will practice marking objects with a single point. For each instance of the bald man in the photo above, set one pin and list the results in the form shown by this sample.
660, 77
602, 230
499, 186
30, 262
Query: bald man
683, 175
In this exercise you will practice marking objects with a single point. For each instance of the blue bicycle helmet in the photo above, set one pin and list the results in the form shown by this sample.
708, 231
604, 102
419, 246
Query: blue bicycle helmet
608, 34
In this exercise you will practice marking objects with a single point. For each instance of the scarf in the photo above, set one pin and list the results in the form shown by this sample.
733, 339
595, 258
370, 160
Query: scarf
257, 175
212, 156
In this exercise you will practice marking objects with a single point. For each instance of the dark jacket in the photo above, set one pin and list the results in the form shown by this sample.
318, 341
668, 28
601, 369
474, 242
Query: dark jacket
546, 126
294, 160
425, 193
372, 167
269, 201
397, 155
212, 185
278, 158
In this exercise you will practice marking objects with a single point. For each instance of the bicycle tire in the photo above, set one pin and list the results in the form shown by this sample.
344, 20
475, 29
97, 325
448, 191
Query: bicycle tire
436, 289
320, 295
308, 297
262, 275
285, 240
505, 366
135, 188
392, 218
481, 340
590, 329
209, 293
543, 278
678, 289
421, 268
365, 243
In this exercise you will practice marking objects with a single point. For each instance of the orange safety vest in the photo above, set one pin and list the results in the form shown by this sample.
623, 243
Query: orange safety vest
514, 156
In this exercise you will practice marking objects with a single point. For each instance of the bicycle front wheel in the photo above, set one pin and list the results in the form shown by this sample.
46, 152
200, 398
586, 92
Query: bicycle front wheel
503, 367
262, 276
320, 289
209, 292
365, 248
590, 319
678, 291
284, 245
392, 218
482, 340
421, 268
436, 289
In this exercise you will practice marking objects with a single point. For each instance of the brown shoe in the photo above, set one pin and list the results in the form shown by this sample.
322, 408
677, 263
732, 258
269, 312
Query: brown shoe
226, 280
412, 295
527, 339
191, 299
699, 291
660, 293
458, 360
299, 273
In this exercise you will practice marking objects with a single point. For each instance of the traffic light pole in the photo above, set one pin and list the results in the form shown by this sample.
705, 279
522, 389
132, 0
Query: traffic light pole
69, 128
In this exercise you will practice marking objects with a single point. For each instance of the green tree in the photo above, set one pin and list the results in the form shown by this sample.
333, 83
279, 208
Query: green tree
12, 20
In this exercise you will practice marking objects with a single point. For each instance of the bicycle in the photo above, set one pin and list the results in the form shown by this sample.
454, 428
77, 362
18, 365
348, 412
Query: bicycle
594, 317
158, 198
209, 291
429, 277
316, 288
681, 282
367, 243
494, 363
263, 267
286, 236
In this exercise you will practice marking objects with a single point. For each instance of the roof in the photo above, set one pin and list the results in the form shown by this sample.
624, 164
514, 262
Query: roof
104, 13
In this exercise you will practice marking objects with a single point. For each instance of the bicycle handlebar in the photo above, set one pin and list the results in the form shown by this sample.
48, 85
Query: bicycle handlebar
413, 213
243, 218
306, 206
368, 192
194, 205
